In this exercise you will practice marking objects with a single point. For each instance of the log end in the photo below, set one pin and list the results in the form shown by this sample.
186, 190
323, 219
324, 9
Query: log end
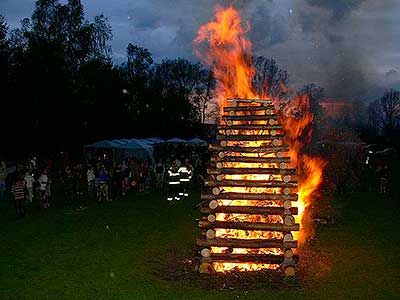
289, 271
206, 268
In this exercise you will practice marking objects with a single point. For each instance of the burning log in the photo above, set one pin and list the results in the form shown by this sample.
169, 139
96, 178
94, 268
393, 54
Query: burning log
248, 108
249, 196
256, 210
250, 258
241, 149
247, 137
251, 183
251, 244
272, 171
249, 226
250, 159
250, 118
250, 127
239, 100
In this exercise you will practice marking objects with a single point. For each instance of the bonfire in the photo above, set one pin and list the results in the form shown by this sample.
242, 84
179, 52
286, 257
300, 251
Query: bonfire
261, 182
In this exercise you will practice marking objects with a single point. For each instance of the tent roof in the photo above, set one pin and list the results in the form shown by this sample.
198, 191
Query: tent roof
197, 141
176, 140
121, 144
152, 140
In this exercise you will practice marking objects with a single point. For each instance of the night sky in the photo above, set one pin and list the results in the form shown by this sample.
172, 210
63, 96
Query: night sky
349, 47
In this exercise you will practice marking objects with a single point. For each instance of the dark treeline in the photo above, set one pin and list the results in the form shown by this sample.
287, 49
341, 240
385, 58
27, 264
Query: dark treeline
61, 90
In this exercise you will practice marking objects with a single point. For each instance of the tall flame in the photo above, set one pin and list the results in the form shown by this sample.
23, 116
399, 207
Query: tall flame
229, 54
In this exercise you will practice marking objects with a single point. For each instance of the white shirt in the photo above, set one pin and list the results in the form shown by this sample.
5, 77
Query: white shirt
29, 180
43, 180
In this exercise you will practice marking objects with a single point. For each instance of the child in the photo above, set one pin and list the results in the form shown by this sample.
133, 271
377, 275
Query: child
18, 191
29, 180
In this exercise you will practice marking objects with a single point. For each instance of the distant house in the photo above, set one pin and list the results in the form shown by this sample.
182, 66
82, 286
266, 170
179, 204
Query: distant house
334, 109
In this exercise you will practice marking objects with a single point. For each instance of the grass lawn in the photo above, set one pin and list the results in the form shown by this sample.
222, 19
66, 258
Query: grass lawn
118, 250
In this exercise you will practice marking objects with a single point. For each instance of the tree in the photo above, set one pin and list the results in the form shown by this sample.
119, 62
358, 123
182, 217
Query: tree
269, 80
315, 94
384, 113
139, 61
173, 83
202, 98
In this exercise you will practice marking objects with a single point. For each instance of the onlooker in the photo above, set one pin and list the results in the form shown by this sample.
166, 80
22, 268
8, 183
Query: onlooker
29, 180
68, 182
18, 191
103, 181
159, 171
91, 181
384, 179
3, 177
43, 181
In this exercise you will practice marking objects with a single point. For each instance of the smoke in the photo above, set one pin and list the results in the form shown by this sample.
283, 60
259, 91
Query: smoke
345, 46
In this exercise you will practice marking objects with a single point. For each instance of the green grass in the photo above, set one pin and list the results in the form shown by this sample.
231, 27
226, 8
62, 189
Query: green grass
64, 254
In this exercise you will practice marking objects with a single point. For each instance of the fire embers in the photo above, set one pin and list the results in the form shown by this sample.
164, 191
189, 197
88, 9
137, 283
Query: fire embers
247, 215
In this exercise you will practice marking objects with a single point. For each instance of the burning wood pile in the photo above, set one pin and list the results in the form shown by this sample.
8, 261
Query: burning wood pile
247, 218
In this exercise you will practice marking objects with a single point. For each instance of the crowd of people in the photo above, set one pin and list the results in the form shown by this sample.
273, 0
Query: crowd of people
30, 183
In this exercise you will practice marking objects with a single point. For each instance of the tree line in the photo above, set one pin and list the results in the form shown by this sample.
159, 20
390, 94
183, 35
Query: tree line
61, 89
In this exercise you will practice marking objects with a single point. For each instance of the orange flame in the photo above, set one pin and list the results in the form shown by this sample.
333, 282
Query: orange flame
229, 55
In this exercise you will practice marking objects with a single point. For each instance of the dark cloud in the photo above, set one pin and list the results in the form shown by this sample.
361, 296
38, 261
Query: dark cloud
350, 47
338, 8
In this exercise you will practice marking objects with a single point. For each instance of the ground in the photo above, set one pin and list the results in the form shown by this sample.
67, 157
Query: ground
141, 247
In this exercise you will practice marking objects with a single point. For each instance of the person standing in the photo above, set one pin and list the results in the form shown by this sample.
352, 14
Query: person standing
3, 177
43, 181
103, 181
68, 182
29, 181
384, 179
18, 191
185, 174
91, 181
159, 170
173, 183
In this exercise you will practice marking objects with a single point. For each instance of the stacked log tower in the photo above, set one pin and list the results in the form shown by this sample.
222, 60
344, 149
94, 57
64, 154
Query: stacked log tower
247, 214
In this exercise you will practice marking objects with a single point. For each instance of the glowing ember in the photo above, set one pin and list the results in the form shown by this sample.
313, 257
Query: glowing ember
228, 52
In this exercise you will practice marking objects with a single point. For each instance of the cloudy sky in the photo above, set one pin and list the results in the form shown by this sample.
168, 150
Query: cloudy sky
349, 47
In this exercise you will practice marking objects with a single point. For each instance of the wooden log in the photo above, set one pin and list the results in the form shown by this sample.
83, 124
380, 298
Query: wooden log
250, 258
213, 204
288, 220
250, 127
239, 149
240, 243
251, 183
288, 253
254, 210
234, 171
248, 108
211, 218
249, 196
250, 159
206, 268
288, 237
210, 234
250, 118
248, 137
205, 252
239, 100
249, 226
289, 271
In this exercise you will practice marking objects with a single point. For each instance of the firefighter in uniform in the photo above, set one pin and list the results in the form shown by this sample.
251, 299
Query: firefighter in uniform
173, 183
185, 174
